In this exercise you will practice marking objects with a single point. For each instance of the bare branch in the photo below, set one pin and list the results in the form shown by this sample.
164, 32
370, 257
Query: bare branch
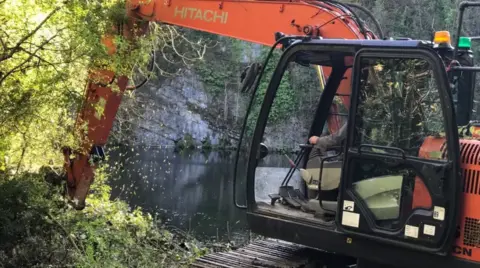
164, 55
24, 150
175, 49
192, 44
27, 60
165, 73
53, 64
4, 46
36, 56
53, 49
16, 48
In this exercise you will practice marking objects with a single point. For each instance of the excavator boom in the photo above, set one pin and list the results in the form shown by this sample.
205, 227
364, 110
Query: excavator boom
255, 21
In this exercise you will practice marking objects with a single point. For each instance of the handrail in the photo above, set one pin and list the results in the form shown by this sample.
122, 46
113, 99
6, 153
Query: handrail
461, 10
382, 148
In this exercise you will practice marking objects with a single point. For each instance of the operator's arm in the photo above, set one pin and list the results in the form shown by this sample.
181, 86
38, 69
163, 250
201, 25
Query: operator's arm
335, 139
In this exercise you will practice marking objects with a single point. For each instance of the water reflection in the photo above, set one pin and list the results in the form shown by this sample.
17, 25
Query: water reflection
191, 190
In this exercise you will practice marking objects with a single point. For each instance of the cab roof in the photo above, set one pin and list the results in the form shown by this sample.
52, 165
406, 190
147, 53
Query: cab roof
369, 43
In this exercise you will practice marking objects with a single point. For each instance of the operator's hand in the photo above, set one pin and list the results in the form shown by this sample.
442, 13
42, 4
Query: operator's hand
313, 139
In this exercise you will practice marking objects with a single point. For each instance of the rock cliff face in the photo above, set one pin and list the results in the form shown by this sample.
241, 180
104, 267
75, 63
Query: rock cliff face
180, 107
203, 104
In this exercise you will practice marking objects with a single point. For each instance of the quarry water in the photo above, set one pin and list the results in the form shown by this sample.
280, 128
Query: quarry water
189, 191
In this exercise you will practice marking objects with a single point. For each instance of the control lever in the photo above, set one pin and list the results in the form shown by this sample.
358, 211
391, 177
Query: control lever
305, 146
292, 164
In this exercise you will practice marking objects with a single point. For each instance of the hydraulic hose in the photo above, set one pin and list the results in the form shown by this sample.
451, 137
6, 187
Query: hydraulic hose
354, 15
370, 14
152, 65
348, 7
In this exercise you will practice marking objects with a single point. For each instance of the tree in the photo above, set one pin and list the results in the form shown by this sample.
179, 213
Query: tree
47, 49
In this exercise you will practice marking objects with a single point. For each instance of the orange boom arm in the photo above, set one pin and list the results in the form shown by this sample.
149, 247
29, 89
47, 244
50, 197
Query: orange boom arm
253, 21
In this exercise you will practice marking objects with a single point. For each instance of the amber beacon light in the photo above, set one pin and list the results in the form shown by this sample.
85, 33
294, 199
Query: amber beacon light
442, 37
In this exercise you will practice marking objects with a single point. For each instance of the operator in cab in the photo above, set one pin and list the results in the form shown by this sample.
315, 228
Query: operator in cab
324, 142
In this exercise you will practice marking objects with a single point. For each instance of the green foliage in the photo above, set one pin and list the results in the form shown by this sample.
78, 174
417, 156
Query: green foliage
262, 89
46, 50
225, 143
186, 143
206, 143
400, 103
3, 160
410, 18
222, 66
294, 97
285, 99
219, 72
38, 229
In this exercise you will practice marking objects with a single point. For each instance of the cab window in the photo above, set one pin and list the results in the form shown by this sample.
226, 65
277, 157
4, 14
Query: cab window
398, 105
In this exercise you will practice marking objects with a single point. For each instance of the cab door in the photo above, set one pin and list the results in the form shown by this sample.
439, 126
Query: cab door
259, 78
401, 175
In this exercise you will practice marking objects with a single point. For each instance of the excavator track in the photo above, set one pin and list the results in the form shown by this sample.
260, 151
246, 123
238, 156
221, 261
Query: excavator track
267, 253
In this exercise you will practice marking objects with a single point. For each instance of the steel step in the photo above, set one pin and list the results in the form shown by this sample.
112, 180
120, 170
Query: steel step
263, 253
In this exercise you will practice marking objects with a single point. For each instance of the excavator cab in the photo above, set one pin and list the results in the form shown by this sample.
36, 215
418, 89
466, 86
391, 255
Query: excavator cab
382, 189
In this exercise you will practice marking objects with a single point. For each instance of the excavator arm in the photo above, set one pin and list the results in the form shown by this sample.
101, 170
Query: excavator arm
255, 21
248, 20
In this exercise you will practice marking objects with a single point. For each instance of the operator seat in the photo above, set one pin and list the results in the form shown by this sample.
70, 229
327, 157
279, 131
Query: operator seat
381, 194
330, 172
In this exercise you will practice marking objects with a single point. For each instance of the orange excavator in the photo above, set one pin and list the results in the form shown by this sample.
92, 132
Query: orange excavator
401, 188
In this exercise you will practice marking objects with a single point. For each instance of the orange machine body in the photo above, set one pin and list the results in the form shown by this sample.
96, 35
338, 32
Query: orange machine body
467, 244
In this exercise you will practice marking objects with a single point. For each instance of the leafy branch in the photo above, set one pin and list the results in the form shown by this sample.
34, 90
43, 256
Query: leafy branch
18, 45
31, 55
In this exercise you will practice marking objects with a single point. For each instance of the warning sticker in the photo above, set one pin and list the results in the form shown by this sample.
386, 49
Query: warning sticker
348, 205
439, 213
411, 231
429, 229
351, 219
